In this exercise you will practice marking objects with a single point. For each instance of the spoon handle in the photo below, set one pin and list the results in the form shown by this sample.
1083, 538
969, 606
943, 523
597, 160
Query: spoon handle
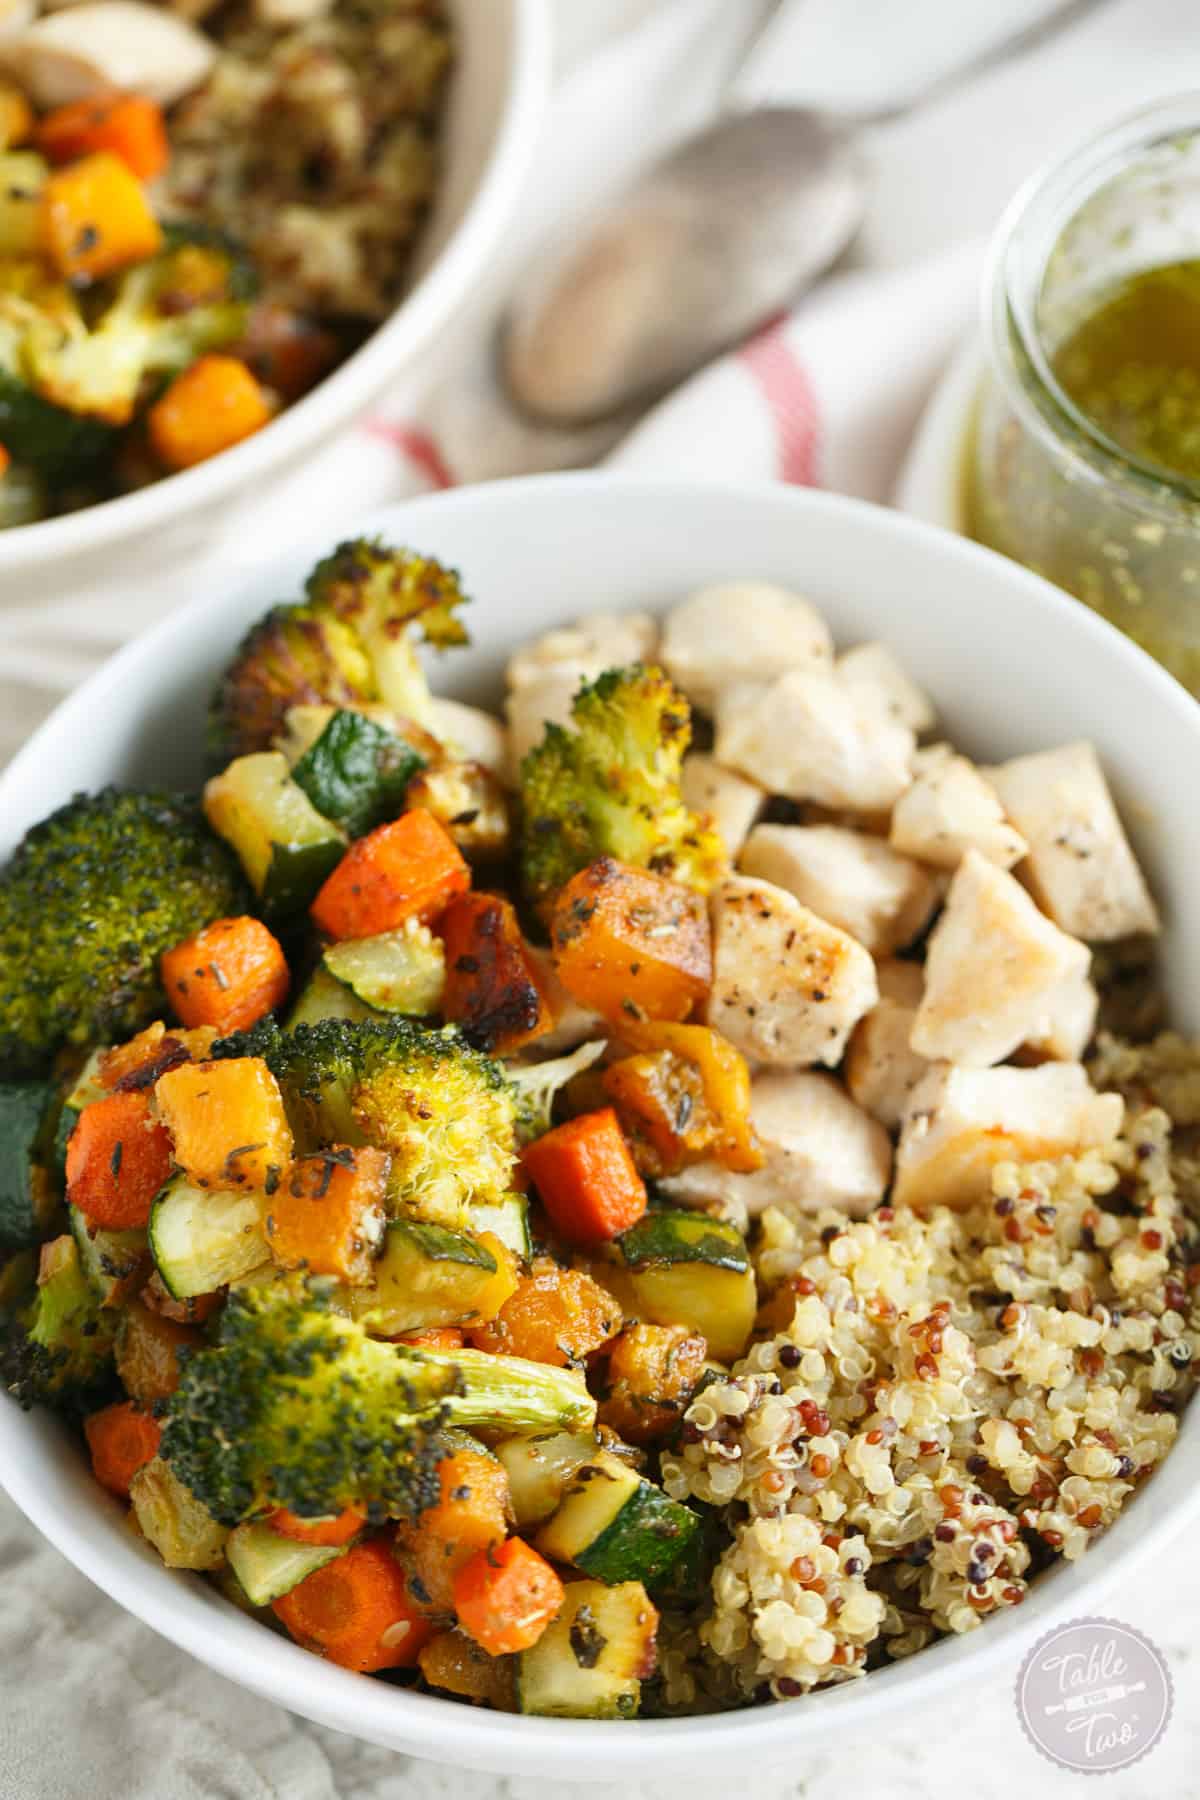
796, 33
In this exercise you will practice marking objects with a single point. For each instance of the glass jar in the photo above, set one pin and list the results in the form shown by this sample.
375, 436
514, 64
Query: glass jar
1043, 484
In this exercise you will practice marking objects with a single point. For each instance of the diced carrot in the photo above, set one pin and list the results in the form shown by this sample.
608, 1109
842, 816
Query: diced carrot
122, 1440
327, 1214
684, 1095
471, 1514
129, 125
629, 944
140, 1062
147, 1353
213, 405
408, 869
118, 1157
556, 1316
227, 976
227, 1121
95, 218
505, 1598
492, 990
5, 459
434, 1337
327, 1532
586, 1178
357, 1611
454, 1663
16, 116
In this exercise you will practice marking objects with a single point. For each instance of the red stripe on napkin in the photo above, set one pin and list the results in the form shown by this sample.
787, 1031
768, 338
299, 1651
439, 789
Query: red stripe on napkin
785, 387
419, 448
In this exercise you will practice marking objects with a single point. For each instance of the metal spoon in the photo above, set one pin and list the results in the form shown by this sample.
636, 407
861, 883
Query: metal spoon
711, 242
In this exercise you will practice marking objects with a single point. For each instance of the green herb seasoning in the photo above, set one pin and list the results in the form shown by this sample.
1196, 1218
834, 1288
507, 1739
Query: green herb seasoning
1132, 368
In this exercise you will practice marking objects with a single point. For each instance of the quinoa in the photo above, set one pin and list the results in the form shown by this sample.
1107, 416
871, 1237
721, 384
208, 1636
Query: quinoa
940, 1405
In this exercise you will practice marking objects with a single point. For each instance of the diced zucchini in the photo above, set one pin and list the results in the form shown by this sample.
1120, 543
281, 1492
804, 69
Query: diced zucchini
87, 1088
691, 1270
286, 847
22, 176
115, 1262
507, 1219
615, 1525
356, 773
269, 1565
591, 1661
400, 971
427, 1275
203, 1238
26, 1200
324, 997
539, 1469
184, 1532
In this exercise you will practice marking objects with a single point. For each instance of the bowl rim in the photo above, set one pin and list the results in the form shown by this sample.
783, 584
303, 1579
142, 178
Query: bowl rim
440, 1729
423, 311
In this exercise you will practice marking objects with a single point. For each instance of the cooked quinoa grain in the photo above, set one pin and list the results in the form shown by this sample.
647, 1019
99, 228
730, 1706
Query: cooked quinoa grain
946, 1402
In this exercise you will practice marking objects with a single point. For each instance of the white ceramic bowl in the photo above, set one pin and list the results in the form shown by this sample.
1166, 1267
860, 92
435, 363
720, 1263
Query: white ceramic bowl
494, 115
1013, 666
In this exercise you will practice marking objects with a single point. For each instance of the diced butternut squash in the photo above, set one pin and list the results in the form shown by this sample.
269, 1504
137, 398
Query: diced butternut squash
471, 1514
683, 1095
652, 1372
213, 405
140, 1062
96, 218
455, 1664
148, 1347
631, 945
556, 1316
408, 869
227, 976
327, 1215
492, 989
227, 1121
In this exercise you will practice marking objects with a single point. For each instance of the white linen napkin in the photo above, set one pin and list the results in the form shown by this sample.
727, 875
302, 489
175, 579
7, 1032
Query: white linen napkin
90, 1702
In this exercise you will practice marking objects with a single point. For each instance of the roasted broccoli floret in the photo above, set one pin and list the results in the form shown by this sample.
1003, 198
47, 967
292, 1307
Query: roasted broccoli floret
350, 641
443, 1110
537, 1086
610, 786
90, 900
73, 366
56, 1349
296, 1406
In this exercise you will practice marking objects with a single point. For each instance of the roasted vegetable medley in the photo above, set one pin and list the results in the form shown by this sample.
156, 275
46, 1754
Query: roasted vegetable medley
199, 218
425, 1185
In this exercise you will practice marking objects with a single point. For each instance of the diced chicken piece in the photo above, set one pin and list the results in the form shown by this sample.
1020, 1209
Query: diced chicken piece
741, 631
950, 809
1070, 1023
536, 704
594, 643
1080, 867
872, 670
472, 734
882, 1068
810, 737
961, 1122
732, 802
787, 988
88, 51
819, 1150
994, 970
573, 1024
853, 881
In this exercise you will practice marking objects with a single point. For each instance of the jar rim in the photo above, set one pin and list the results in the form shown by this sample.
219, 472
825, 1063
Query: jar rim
1030, 228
